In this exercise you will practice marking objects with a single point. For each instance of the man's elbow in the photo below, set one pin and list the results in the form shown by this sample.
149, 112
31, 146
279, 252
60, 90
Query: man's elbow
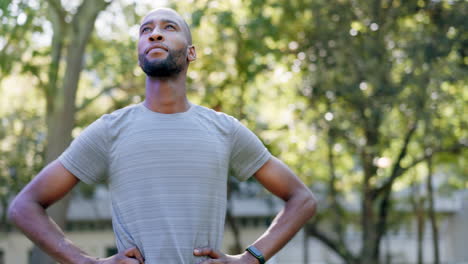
16, 210
309, 203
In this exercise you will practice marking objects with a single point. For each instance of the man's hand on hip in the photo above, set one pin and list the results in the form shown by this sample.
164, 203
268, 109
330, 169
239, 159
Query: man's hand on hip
218, 257
129, 256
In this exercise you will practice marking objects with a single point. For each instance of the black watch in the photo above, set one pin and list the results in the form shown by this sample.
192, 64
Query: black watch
256, 253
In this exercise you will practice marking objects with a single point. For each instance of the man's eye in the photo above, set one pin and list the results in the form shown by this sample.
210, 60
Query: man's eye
146, 29
170, 27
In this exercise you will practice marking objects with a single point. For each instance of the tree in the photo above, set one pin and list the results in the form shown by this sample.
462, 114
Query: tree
354, 96
369, 76
59, 81
21, 156
375, 75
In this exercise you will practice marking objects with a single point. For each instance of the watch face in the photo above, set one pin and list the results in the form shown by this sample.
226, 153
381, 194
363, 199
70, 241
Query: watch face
255, 251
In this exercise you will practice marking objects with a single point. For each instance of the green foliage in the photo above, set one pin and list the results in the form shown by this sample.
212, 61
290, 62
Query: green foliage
18, 22
378, 85
353, 95
22, 146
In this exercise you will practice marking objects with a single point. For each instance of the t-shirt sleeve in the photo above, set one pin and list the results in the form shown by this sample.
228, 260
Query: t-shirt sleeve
87, 155
248, 154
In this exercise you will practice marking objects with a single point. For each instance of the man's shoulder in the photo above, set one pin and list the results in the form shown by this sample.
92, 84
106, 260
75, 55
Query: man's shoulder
120, 114
220, 119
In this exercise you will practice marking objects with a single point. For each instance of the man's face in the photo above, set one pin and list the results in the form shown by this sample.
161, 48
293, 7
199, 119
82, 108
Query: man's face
163, 47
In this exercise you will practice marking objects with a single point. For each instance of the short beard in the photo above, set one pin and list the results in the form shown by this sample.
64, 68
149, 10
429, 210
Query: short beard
163, 68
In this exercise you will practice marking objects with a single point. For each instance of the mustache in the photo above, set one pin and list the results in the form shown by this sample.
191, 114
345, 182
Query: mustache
157, 45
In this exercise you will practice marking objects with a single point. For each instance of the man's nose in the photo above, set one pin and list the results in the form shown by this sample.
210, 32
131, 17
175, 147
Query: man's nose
156, 35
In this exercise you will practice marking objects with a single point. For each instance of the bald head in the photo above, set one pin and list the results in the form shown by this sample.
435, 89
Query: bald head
169, 12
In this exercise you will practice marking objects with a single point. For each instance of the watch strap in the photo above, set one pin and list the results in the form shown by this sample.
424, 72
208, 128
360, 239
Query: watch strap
256, 253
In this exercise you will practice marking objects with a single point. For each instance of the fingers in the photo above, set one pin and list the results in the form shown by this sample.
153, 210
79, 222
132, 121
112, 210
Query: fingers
134, 253
130, 261
210, 261
212, 253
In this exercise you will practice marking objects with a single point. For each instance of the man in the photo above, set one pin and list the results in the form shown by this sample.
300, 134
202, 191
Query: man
166, 162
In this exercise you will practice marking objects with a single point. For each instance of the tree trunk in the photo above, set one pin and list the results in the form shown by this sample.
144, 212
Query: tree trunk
420, 221
420, 226
305, 246
333, 193
369, 217
237, 247
418, 204
432, 216
61, 106
333, 244
368, 221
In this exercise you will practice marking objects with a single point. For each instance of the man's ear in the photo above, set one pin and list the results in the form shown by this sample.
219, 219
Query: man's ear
191, 53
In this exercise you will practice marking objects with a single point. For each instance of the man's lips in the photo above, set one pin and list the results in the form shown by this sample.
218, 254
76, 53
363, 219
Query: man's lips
158, 46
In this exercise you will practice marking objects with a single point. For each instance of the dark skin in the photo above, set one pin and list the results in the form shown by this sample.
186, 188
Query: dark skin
162, 30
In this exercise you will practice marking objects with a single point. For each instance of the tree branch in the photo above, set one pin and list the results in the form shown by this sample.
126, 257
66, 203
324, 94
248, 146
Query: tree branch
338, 247
56, 6
81, 27
88, 101
455, 148
333, 193
386, 203
386, 188
57, 18
397, 169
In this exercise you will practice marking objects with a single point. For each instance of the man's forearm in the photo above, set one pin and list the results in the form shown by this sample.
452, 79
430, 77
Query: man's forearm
31, 218
296, 212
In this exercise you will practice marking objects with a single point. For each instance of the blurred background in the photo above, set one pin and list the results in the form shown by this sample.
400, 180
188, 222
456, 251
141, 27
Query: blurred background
363, 99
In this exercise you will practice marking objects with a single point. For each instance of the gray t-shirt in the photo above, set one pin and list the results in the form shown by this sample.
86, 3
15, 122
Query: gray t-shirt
167, 175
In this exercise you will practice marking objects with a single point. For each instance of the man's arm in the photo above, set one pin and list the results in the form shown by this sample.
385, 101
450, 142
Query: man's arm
300, 206
28, 213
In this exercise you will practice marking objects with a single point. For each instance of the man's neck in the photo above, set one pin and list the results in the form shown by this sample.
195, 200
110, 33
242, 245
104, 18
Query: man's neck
166, 95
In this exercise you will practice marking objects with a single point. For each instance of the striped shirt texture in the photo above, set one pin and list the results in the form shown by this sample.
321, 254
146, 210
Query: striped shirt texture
167, 176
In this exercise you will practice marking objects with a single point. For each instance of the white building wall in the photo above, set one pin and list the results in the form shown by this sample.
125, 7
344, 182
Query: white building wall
458, 233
